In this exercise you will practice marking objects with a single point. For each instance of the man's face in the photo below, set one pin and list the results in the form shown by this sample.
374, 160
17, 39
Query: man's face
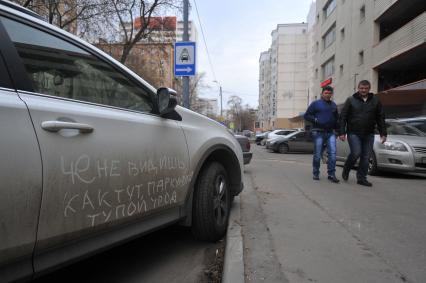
326, 95
363, 89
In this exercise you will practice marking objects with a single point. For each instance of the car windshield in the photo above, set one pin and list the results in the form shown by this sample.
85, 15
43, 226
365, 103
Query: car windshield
403, 129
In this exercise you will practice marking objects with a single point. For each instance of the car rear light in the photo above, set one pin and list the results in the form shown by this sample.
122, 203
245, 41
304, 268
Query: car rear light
248, 146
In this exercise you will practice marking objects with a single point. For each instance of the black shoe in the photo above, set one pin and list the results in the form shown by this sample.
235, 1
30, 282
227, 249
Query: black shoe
345, 174
333, 179
364, 183
316, 178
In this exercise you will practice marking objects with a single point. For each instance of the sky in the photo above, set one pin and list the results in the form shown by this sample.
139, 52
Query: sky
236, 32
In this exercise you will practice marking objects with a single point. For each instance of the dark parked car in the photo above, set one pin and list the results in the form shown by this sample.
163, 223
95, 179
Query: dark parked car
260, 137
245, 146
295, 142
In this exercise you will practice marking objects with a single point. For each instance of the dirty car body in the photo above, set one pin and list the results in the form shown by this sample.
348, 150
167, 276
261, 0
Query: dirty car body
91, 155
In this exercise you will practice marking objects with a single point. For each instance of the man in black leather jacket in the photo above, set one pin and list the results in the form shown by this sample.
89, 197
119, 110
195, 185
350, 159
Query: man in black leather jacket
360, 114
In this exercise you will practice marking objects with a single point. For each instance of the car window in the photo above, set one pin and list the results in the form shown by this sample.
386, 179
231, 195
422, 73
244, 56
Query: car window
421, 125
300, 136
58, 68
403, 129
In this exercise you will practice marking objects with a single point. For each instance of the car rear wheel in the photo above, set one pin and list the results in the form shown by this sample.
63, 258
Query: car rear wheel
212, 203
283, 148
372, 165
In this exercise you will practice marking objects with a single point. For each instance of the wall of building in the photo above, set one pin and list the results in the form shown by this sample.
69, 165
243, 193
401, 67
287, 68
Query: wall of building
358, 51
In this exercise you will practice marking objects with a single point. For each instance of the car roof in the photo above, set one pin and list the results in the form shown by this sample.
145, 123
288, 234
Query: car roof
422, 118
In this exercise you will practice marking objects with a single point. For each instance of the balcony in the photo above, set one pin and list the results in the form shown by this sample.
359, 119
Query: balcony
408, 37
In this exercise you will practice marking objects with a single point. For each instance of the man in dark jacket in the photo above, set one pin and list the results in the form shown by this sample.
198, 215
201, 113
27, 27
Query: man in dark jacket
323, 115
360, 114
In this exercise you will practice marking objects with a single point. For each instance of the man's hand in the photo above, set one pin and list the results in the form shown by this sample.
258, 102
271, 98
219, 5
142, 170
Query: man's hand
383, 139
342, 137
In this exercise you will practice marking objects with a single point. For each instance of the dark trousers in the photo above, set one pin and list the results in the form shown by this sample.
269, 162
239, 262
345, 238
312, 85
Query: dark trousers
361, 147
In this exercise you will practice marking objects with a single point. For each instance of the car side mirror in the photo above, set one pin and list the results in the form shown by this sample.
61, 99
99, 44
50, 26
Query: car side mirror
166, 100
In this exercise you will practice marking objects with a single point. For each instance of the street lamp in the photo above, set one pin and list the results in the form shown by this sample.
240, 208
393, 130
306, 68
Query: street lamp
220, 94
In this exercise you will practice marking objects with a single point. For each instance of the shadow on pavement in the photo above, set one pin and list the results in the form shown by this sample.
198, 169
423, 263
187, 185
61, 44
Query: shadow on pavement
168, 255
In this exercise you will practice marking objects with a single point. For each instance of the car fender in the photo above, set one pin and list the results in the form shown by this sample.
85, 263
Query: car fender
215, 142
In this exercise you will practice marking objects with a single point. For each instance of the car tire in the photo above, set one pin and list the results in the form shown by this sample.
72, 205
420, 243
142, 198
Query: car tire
212, 203
372, 165
283, 148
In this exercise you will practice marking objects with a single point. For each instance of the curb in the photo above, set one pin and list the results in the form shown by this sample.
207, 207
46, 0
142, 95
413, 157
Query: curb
233, 266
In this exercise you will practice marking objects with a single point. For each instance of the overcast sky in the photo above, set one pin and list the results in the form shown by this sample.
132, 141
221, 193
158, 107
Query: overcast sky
237, 31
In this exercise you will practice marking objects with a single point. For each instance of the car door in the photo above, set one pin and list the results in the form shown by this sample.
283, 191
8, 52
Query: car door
21, 181
296, 142
107, 160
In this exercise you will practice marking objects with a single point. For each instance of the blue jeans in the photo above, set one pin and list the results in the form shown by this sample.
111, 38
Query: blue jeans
361, 147
321, 138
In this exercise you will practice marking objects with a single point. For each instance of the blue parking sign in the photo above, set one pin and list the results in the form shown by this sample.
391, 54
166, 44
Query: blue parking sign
184, 59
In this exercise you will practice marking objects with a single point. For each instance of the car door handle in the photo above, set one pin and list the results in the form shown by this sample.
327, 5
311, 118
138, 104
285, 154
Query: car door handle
56, 126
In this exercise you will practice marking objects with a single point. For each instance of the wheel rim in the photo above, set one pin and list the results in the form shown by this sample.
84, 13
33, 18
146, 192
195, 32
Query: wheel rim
220, 200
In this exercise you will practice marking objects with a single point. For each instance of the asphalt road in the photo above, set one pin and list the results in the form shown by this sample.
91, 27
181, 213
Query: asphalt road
299, 230
168, 255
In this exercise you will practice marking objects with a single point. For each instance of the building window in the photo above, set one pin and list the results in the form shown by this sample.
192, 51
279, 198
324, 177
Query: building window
361, 58
329, 37
328, 68
329, 8
342, 34
362, 13
341, 70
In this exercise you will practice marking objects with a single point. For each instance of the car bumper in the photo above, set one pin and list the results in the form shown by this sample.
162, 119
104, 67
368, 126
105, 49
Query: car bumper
247, 157
401, 161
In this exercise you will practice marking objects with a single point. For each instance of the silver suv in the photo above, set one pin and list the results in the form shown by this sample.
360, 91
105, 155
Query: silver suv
91, 155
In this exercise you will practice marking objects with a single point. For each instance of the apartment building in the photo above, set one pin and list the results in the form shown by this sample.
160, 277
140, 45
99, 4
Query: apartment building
383, 41
192, 31
283, 94
267, 105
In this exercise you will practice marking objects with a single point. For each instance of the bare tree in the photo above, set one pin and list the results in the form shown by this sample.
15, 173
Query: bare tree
235, 107
66, 14
243, 117
134, 20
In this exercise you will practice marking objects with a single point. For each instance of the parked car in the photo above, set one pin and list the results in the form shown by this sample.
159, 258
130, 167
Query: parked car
299, 141
245, 146
417, 122
260, 137
247, 133
91, 155
279, 133
404, 150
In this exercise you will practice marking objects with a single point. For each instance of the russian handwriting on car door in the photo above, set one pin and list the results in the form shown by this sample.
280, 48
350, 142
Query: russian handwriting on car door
100, 205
